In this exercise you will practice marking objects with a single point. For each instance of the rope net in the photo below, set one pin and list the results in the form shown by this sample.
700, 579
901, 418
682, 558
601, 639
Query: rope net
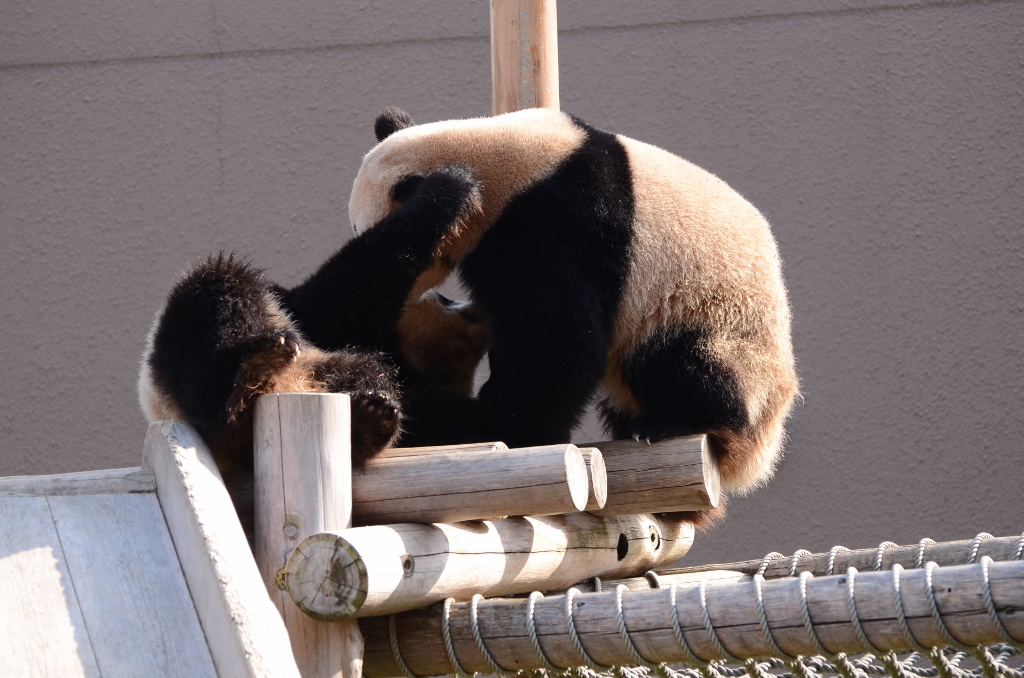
956, 660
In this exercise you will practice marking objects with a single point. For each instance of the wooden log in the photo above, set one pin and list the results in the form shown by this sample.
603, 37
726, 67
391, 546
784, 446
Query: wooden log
302, 449
107, 481
384, 569
243, 630
496, 446
942, 553
645, 583
676, 474
732, 608
470, 485
524, 55
598, 475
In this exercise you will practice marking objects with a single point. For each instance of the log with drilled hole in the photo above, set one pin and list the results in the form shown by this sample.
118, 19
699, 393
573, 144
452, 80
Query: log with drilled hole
382, 569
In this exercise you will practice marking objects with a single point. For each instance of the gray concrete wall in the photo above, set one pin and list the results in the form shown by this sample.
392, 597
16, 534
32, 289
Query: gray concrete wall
882, 138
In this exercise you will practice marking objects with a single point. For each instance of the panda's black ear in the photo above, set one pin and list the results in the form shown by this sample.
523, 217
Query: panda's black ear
390, 121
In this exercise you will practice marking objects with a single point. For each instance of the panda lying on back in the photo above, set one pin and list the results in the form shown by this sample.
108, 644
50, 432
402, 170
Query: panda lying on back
601, 263
227, 335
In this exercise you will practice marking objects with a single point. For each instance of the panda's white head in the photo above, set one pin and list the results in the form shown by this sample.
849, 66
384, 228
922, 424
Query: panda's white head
506, 153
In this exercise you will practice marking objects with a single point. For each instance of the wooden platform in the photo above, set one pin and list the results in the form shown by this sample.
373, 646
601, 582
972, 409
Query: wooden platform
93, 582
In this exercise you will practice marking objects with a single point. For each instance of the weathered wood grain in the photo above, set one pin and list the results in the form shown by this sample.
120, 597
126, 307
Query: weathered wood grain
598, 475
42, 631
302, 451
470, 485
244, 631
733, 612
389, 568
524, 55
392, 452
107, 481
675, 474
131, 590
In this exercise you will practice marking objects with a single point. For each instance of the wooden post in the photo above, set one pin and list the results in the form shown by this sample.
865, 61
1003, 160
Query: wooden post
471, 485
524, 55
732, 609
302, 446
390, 568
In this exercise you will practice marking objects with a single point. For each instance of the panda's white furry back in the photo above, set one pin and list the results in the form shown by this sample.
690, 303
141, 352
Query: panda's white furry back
602, 262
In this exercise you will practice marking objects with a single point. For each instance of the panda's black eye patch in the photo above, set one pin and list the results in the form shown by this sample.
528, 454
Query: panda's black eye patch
405, 188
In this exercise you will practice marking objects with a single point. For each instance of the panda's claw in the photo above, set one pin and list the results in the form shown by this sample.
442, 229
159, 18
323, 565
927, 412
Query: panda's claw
648, 440
636, 437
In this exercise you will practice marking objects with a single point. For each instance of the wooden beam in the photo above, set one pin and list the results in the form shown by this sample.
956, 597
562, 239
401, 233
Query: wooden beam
384, 569
468, 484
524, 55
243, 630
676, 474
942, 553
302, 449
732, 608
107, 481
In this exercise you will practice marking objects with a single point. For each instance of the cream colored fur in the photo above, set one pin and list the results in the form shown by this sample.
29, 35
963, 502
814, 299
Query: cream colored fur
702, 257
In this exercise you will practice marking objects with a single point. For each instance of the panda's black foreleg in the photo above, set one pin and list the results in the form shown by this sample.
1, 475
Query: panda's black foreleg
547, 359
356, 297
680, 388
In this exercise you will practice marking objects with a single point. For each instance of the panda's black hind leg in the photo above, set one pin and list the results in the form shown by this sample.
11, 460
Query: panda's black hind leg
680, 389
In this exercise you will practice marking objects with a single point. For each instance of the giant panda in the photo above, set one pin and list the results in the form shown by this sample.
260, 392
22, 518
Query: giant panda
605, 267
226, 334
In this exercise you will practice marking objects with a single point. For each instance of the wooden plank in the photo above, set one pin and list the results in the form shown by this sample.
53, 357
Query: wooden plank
524, 55
42, 632
471, 485
302, 451
675, 474
732, 608
133, 596
107, 481
942, 553
368, 571
245, 633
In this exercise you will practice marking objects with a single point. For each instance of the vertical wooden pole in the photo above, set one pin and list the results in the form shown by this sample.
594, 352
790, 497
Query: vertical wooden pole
524, 55
303, 470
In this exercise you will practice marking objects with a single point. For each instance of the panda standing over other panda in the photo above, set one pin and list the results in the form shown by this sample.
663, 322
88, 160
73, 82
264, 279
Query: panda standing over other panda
602, 266
227, 335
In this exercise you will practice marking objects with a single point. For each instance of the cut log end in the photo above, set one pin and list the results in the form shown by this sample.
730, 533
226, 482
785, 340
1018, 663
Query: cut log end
598, 478
326, 577
577, 476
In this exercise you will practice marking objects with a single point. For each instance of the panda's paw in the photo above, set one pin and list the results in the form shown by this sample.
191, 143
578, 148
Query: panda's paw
454, 189
376, 423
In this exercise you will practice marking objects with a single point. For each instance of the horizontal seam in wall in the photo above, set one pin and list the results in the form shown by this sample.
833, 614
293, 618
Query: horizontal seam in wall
583, 30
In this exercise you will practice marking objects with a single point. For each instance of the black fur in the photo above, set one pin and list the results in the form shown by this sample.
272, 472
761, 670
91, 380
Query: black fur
548, 276
390, 121
356, 297
222, 341
680, 388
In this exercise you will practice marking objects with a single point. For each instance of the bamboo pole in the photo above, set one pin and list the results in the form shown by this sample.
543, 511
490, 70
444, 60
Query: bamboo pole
732, 608
384, 569
676, 474
393, 452
942, 553
471, 485
302, 449
524, 55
